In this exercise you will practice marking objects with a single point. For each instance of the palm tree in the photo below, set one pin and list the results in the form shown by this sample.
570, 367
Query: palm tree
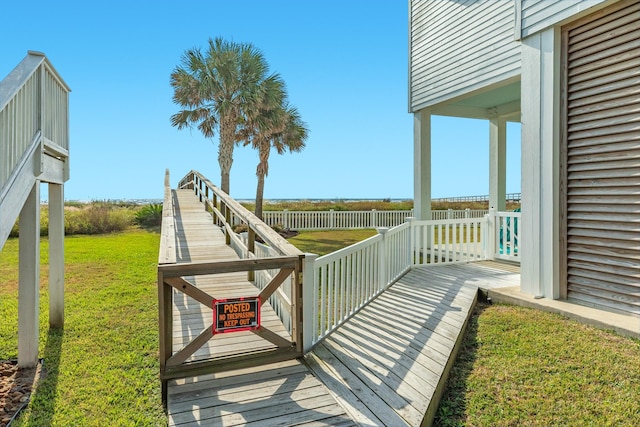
276, 124
216, 89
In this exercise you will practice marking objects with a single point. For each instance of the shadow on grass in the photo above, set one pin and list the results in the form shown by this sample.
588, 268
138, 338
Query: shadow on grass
43, 401
452, 409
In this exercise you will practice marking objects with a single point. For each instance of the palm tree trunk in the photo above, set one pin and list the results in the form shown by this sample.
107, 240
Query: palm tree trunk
259, 196
225, 151
261, 172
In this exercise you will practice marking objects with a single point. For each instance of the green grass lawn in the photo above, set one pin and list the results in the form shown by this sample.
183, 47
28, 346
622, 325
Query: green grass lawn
102, 369
517, 366
525, 367
322, 242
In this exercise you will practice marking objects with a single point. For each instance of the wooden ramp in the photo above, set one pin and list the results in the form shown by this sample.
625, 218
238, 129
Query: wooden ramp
386, 366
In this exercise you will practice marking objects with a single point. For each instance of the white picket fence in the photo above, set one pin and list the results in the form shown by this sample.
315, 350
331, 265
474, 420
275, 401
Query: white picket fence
339, 220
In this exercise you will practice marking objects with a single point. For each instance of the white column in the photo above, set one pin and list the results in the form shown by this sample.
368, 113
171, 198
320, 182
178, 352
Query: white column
29, 279
539, 228
56, 255
422, 165
498, 163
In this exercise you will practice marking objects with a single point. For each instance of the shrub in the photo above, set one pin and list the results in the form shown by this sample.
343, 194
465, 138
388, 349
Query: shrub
149, 215
44, 224
97, 218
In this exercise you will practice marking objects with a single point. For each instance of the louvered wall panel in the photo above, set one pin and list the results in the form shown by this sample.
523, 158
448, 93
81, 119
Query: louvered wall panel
603, 158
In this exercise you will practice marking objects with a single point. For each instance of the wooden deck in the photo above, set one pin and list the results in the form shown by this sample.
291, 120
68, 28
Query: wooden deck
387, 365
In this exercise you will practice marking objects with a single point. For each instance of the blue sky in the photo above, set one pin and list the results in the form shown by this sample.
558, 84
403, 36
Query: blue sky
344, 63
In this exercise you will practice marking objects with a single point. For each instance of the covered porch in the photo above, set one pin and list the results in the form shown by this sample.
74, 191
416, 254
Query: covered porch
498, 105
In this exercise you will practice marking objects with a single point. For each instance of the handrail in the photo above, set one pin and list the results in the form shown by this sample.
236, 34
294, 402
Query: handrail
339, 284
167, 253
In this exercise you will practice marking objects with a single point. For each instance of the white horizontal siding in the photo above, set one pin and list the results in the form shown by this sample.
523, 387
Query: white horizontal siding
540, 14
458, 47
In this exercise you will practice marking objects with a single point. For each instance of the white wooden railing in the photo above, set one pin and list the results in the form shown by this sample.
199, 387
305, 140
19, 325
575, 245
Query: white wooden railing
458, 214
32, 98
349, 220
338, 284
448, 241
502, 236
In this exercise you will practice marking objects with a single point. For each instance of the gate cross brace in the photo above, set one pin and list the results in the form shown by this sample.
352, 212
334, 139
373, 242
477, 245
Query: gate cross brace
205, 299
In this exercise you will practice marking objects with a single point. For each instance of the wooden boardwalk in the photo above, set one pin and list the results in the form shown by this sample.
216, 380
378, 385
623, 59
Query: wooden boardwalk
265, 395
387, 365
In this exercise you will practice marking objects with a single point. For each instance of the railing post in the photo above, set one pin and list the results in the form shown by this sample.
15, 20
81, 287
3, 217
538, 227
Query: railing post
467, 213
309, 301
490, 235
215, 206
449, 213
285, 219
374, 222
165, 310
332, 219
251, 247
227, 219
410, 220
383, 279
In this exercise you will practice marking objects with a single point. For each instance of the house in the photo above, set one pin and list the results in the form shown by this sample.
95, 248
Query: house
569, 72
